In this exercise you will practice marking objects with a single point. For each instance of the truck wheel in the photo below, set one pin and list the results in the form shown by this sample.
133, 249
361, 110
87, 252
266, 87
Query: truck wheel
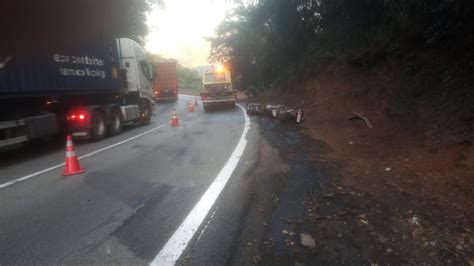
115, 126
98, 128
146, 116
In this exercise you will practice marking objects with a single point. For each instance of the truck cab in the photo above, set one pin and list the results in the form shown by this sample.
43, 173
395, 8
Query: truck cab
139, 73
217, 88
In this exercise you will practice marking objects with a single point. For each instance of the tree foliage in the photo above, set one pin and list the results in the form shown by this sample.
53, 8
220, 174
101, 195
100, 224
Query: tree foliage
133, 25
269, 38
188, 78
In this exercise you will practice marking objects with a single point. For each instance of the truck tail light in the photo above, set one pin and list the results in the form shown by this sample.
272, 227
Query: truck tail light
77, 116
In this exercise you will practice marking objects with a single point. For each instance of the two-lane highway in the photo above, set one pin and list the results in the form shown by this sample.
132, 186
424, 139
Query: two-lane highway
138, 190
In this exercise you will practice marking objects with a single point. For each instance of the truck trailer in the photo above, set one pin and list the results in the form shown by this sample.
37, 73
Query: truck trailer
166, 82
87, 89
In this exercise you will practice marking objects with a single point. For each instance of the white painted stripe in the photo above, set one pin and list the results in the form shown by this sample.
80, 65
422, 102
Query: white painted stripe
178, 242
4, 185
70, 154
79, 134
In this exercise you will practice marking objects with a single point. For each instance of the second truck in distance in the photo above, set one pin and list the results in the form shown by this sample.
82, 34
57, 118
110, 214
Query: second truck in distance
166, 82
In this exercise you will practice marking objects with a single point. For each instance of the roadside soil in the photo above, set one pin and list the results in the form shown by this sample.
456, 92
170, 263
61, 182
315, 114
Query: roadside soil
401, 192
300, 189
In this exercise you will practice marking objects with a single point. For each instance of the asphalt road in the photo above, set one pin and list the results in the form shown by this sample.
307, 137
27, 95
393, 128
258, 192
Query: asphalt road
139, 187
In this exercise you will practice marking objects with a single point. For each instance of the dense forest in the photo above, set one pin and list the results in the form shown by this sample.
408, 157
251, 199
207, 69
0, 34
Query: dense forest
271, 41
265, 39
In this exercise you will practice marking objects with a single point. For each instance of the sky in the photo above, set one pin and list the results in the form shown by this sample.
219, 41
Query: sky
178, 30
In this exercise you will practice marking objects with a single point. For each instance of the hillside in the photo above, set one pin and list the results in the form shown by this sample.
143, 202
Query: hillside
405, 66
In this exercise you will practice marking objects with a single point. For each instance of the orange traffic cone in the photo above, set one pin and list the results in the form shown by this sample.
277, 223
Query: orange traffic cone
196, 103
191, 106
72, 163
174, 119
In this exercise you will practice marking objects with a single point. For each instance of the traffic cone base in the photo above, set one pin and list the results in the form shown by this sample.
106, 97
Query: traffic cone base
174, 119
72, 166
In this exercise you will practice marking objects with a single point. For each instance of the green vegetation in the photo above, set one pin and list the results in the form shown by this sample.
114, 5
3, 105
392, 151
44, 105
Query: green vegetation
188, 78
134, 25
269, 39
427, 44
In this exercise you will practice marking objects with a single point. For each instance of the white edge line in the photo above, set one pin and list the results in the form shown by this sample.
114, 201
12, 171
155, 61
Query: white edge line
4, 185
178, 242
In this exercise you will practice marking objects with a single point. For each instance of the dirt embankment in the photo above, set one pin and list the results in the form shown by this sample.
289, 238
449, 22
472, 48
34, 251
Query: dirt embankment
415, 160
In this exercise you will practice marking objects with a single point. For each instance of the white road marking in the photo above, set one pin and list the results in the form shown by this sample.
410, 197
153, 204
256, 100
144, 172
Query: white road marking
4, 185
178, 242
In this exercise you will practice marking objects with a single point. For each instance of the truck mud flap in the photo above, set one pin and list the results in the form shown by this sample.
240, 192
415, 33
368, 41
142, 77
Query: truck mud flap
41, 126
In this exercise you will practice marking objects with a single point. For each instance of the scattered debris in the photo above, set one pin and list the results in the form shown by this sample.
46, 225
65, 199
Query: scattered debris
414, 220
388, 169
280, 112
307, 241
256, 259
255, 109
360, 116
329, 195
297, 221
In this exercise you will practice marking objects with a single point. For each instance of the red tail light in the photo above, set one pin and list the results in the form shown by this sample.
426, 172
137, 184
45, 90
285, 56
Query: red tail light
77, 117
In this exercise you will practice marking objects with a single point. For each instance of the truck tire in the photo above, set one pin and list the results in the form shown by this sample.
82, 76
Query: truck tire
147, 113
115, 125
98, 125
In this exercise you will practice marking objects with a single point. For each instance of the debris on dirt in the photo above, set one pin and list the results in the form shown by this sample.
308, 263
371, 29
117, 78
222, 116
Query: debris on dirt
388, 169
255, 109
307, 241
256, 259
360, 116
291, 221
280, 112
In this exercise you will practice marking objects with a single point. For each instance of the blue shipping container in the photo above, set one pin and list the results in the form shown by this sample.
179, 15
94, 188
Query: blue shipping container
88, 68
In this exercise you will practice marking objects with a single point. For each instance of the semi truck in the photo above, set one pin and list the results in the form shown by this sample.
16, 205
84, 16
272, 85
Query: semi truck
166, 82
88, 89
217, 88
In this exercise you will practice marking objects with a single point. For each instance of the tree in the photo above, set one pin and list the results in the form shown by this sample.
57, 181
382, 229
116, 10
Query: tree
269, 39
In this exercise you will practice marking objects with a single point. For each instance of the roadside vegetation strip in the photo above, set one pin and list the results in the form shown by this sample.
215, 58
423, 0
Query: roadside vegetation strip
12, 182
178, 242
